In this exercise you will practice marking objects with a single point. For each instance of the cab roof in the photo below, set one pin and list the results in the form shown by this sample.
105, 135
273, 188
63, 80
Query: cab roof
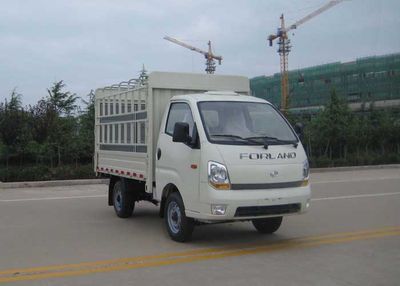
217, 96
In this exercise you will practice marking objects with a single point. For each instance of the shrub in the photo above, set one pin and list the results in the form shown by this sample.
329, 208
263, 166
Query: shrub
45, 173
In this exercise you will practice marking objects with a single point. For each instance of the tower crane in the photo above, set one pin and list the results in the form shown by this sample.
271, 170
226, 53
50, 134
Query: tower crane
210, 57
284, 47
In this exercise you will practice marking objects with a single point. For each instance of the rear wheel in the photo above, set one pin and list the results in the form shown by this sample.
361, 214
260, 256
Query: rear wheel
267, 225
123, 200
179, 227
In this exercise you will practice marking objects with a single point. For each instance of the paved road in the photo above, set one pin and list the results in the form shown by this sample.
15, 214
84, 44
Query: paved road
68, 236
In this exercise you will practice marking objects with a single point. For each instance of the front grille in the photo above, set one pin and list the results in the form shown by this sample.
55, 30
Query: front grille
267, 210
267, 186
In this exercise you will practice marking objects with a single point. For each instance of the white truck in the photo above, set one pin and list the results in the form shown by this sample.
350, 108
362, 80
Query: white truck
202, 149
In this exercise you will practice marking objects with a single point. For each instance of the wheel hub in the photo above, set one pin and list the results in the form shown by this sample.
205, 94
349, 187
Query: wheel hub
118, 199
174, 217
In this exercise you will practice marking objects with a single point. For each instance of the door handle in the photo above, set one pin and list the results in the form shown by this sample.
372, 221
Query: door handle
158, 153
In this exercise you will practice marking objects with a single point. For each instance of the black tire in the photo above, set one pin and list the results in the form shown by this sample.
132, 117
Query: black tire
123, 200
267, 225
179, 227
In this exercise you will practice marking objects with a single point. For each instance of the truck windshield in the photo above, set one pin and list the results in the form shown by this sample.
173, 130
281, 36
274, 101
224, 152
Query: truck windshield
244, 123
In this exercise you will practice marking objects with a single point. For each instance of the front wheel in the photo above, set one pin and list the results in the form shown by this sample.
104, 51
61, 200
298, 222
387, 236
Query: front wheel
267, 225
180, 227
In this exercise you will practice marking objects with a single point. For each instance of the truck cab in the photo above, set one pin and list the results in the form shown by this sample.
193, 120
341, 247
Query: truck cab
230, 157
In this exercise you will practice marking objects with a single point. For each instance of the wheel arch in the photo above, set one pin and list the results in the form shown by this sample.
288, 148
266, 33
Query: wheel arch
129, 184
113, 180
168, 189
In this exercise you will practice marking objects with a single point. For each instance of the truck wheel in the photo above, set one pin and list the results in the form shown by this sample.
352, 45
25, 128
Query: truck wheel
267, 225
180, 227
123, 201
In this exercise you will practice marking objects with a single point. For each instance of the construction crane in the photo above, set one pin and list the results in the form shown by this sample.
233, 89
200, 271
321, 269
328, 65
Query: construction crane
210, 57
284, 47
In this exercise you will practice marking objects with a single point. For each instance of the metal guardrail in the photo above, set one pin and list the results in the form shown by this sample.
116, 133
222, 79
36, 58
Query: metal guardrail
130, 84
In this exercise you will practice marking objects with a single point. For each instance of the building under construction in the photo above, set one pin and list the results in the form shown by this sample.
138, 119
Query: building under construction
363, 81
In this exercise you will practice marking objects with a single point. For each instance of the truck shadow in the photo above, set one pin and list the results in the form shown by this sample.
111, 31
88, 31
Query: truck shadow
231, 233
147, 219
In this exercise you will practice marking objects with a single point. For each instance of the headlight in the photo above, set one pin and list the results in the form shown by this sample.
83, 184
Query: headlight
306, 169
218, 176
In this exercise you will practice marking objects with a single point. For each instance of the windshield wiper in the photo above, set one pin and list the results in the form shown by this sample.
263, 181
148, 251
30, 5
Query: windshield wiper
236, 137
263, 137
275, 141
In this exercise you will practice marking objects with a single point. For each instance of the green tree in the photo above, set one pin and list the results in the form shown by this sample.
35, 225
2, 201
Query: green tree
86, 128
330, 128
54, 122
42, 120
14, 130
382, 128
61, 102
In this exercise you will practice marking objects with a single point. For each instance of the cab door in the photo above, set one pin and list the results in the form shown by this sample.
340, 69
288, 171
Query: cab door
178, 163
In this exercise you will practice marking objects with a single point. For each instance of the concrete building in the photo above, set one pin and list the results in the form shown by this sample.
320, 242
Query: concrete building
363, 81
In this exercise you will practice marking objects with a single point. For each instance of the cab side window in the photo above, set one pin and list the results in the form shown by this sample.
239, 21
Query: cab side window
179, 112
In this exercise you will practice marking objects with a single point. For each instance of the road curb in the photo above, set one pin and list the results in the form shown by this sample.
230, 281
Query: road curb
58, 183
354, 168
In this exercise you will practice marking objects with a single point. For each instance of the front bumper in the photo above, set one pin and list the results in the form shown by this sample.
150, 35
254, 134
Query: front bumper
250, 204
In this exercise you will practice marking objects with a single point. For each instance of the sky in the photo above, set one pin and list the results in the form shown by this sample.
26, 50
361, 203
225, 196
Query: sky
93, 43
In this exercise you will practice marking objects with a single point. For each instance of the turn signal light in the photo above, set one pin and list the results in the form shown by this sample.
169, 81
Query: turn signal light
221, 186
304, 183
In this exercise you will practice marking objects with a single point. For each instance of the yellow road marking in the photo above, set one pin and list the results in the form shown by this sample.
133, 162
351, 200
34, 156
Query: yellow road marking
189, 252
66, 270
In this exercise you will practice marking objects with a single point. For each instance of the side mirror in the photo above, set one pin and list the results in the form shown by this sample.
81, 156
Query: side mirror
299, 129
181, 132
